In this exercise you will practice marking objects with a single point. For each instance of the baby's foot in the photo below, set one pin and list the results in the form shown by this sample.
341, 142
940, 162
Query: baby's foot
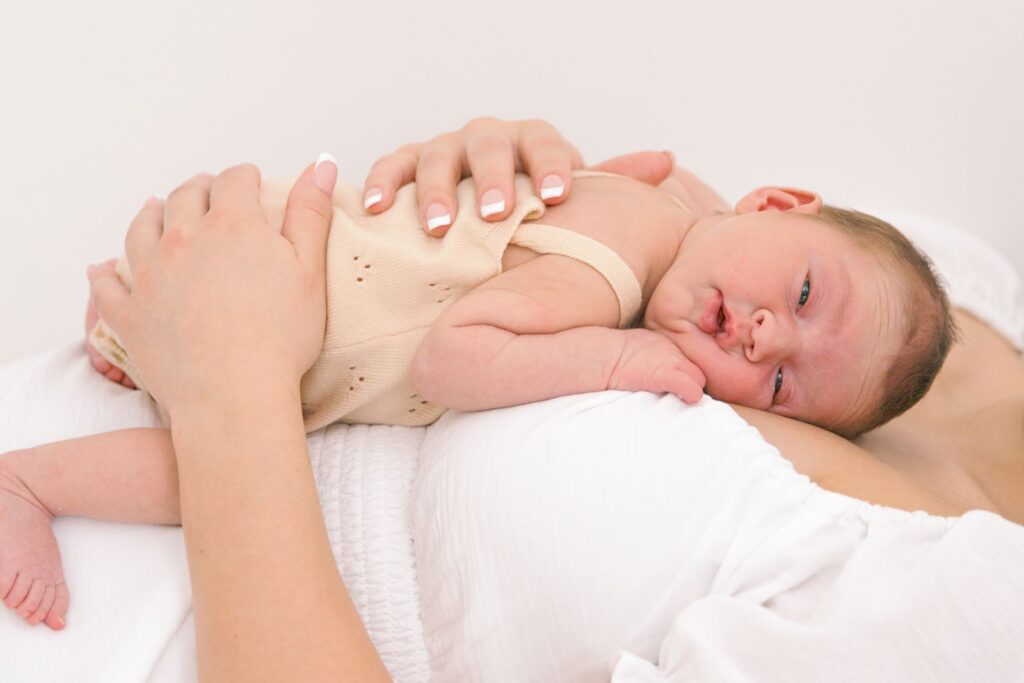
31, 576
101, 364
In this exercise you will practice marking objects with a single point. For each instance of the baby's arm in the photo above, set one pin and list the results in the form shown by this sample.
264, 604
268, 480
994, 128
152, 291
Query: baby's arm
541, 330
124, 476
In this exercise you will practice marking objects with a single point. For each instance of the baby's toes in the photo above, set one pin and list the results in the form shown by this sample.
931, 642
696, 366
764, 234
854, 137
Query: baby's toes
18, 591
32, 600
114, 375
55, 618
101, 364
44, 606
6, 583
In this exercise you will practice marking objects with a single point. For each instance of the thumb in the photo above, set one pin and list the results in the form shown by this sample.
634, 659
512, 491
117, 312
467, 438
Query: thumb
310, 207
648, 167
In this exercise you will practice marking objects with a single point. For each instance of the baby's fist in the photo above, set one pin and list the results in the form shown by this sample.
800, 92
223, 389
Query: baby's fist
651, 362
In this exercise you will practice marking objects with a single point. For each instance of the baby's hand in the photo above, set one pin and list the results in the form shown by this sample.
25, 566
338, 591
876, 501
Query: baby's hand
651, 362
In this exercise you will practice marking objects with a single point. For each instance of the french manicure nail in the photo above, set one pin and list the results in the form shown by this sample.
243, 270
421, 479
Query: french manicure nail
437, 216
325, 174
551, 187
492, 202
372, 196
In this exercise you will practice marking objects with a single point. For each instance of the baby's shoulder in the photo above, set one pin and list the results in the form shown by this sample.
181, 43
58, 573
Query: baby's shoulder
640, 223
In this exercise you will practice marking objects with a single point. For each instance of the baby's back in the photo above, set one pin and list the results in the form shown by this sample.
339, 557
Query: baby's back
387, 282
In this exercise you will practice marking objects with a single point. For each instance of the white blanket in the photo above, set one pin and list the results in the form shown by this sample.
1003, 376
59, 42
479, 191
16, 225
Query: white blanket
944, 590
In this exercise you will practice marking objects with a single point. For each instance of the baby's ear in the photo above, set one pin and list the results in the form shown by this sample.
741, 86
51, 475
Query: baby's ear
780, 199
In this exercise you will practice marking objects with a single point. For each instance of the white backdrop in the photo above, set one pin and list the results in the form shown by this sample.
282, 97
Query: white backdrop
913, 105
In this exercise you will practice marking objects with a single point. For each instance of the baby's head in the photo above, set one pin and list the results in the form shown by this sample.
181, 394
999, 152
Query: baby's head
826, 315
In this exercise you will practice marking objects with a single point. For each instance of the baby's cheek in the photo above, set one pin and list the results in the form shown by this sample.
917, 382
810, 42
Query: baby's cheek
728, 382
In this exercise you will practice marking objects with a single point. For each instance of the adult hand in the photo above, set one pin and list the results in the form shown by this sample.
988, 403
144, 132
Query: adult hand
222, 300
492, 151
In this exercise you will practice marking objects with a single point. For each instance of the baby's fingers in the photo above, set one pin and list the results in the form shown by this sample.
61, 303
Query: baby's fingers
387, 175
687, 388
688, 381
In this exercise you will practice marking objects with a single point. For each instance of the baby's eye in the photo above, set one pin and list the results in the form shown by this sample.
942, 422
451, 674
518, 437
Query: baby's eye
805, 292
778, 384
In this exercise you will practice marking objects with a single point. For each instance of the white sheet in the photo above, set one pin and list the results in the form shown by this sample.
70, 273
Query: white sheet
545, 553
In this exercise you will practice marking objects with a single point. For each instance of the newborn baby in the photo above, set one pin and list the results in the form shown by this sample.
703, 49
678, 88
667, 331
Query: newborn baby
821, 314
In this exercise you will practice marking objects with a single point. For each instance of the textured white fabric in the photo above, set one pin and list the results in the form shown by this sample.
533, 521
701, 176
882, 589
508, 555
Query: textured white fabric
130, 615
553, 536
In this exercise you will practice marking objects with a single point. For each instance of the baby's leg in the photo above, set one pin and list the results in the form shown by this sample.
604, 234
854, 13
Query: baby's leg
126, 476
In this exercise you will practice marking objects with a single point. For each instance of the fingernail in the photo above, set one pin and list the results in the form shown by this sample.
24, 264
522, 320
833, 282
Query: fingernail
492, 202
551, 187
325, 174
671, 157
372, 196
61, 622
152, 201
437, 216
90, 269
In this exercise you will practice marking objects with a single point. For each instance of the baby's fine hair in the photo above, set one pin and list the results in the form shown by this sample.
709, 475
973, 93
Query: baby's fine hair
930, 330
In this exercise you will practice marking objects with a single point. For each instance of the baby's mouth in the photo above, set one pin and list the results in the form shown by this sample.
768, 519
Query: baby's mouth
714, 316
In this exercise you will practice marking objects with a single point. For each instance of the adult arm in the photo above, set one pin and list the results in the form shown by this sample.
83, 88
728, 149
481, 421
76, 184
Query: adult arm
225, 316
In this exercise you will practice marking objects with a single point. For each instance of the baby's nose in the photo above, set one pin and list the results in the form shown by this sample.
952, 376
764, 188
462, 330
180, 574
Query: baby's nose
737, 334
769, 338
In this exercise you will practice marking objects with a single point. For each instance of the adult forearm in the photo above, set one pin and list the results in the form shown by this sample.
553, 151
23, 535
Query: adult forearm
477, 367
269, 603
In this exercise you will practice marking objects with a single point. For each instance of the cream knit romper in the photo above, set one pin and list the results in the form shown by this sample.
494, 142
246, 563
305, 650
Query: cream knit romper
388, 281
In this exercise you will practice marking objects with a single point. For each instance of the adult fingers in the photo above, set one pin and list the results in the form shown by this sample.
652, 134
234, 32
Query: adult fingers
493, 165
649, 167
109, 295
237, 188
188, 201
308, 213
548, 158
387, 175
438, 172
144, 232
